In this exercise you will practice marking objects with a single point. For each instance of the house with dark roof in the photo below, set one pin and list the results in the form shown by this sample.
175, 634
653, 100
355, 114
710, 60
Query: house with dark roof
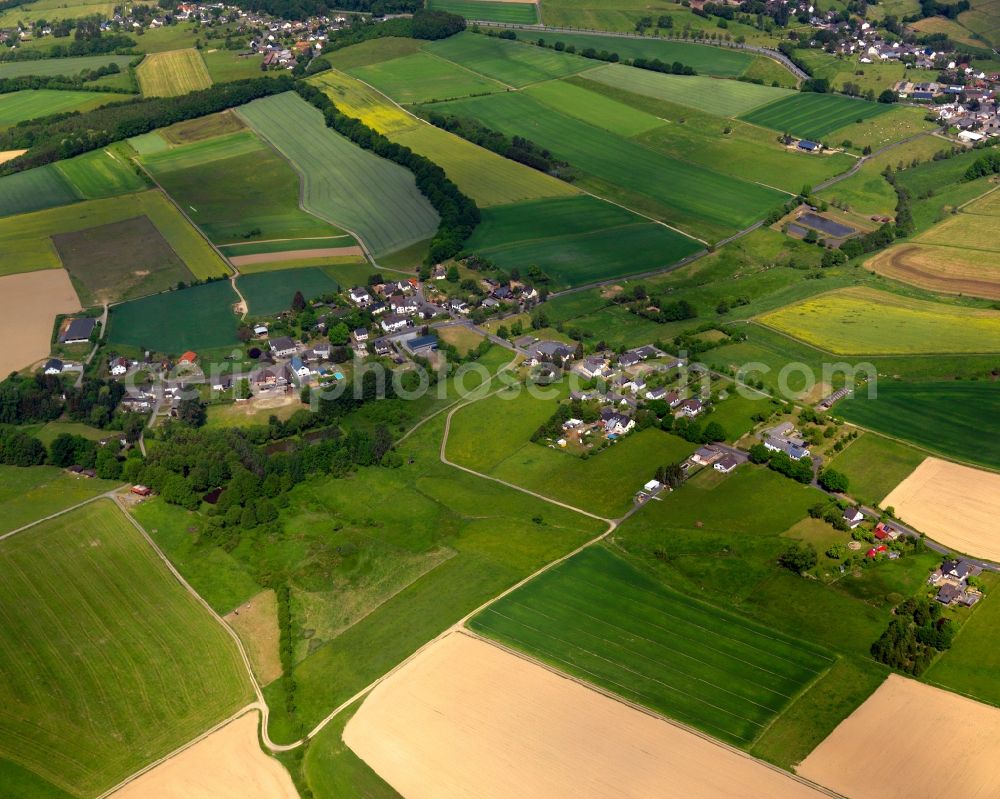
726, 463
78, 331
690, 407
53, 367
853, 517
281, 347
808, 146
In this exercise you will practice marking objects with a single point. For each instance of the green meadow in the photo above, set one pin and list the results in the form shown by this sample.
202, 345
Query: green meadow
875, 465
269, 293
489, 10
813, 116
33, 103
23, 491
421, 78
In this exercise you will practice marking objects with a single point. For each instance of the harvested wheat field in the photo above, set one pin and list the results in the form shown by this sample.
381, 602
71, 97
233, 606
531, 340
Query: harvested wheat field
256, 623
10, 155
948, 270
29, 303
294, 255
228, 764
467, 718
911, 741
955, 505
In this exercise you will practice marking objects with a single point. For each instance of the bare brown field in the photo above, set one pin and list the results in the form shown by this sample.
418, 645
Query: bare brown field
466, 718
256, 623
29, 303
294, 255
10, 155
955, 505
228, 764
911, 741
948, 270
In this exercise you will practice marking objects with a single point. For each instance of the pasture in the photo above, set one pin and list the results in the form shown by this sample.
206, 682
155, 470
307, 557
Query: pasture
33, 103
172, 73
28, 236
101, 173
813, 116
600, 619
270, 293
371, 197
250, 193
864, 321
576, 240
434, 728
875, 465
117, 664
55, 9
29, 303
941, 269
196, 318
509, 62
93, 259
29, 493
34, 190
724, 98
954, 418
594, 108
422, 78
61, 66
921, 762
699, 201
202, 128
952, 504
517, 12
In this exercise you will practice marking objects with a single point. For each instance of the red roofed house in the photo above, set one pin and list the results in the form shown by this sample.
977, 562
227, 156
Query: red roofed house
187, 359
881, 533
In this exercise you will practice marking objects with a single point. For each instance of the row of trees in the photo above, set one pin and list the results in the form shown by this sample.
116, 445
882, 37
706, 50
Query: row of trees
18, 448
459, 213
43, 398
75, 83
782, 463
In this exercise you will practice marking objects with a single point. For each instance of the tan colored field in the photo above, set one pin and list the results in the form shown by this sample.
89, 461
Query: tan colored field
10, 155
256, 623
987, 205
294, 255
465, 718
29, 303
911, 741
948, 270
228, 764
172, 73
976, 231
460, 337
955, 505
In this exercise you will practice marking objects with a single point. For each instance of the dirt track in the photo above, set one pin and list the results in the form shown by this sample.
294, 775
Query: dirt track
29, 303
10, 155
468, 719
228, 764
911, 741
949, 270
955, 505
293, 255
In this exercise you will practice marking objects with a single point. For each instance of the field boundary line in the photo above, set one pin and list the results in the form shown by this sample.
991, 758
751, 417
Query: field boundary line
107, 494
470, 70
652, 713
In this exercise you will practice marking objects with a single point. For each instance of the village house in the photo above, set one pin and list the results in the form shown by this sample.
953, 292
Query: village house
301, 370
690, 408
656, 394
322, 351
187, 359
400, 304
359, 296
594, 366
282, 347
394, 323
260, 331
118, 367
382, 347
726, 463
548, 351
273, 376
616, 424
952, 580
853, 517
704, 456
780, 439
53, 367
361, 334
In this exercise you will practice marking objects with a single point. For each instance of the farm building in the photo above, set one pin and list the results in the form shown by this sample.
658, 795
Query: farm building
282, 347
77, 331
808, 146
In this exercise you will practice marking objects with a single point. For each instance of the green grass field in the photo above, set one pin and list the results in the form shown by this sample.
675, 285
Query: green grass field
172, 73
875, 465
116, 664
61, 66
422, 77
957, 419
575, 100
724, 98
26, 238
695, 199
864, 321
813, 116
201, 128
489, 10
227, 65
269, 293
55, 9
33, 103
511, 63
705, 60
34, 190
101, 173
196, 318
369, 196
27, 493
600, 619
576, 240
252, 193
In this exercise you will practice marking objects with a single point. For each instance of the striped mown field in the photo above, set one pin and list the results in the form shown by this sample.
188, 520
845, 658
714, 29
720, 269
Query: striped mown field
108, 663
172, 73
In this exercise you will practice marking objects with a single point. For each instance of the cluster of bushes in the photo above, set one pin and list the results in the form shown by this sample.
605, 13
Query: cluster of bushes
459, 214
75, 83
692, 430
84, 44
671, 475
43, 398
18, 448
782, 463
516, 148
61, 136
799, 557
988, 164
916, 634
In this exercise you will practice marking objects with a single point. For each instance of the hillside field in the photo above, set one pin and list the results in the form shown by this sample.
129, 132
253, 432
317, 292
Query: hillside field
367, 195
61, 66
34, 190
489, 10
272, 292
863, 321
421, 78
172, 73
117, 664
101, 173
600, 619
24, 490
813, 116
946, 270
32, 103
957, 418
